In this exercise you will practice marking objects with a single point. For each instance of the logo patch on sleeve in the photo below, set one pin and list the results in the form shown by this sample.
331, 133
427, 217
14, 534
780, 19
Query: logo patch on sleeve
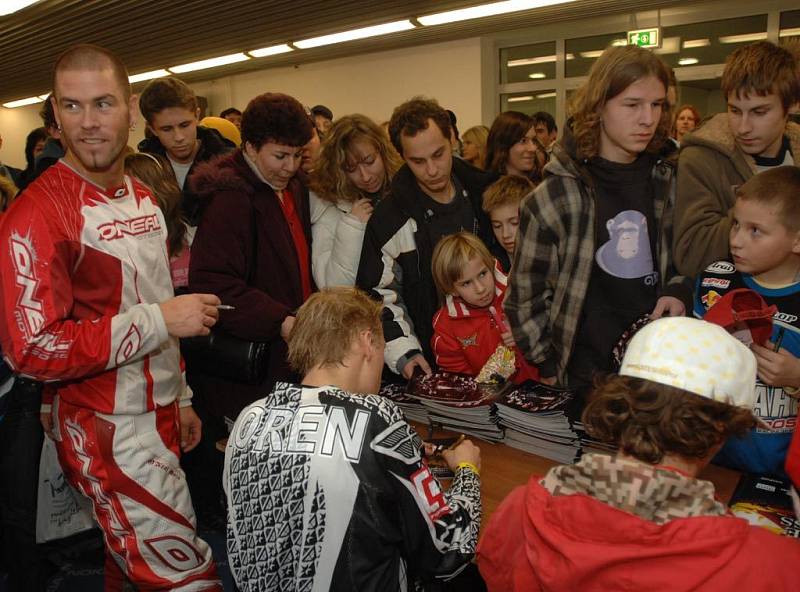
713, 282
429, 492
721, 267
710, 298
466, 342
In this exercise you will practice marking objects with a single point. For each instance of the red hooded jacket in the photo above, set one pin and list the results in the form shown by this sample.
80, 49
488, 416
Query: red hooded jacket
465, 337
539, 542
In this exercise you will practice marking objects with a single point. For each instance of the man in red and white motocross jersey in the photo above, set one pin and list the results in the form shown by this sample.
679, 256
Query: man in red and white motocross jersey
88, 306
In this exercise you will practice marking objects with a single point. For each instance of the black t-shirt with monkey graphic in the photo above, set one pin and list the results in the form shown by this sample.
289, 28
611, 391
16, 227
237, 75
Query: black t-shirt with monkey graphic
624, 281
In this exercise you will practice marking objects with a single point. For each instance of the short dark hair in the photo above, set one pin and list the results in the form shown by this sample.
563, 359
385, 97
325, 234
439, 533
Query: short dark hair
34, 137
548, 120
48, 113
648, 420
454, 124
275, 117
779, 186
322, 110
86, 56
230, 111
764, 68
164, 93
412, 117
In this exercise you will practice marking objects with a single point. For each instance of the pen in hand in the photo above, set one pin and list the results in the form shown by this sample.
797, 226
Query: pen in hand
779, 339
225, 307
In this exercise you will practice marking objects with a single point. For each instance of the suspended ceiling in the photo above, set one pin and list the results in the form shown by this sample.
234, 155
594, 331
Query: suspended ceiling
152, 34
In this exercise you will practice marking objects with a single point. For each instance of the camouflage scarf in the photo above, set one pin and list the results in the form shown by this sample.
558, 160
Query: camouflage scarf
649, 492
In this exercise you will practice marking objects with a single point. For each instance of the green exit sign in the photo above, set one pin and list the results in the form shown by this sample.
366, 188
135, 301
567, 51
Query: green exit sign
645, 37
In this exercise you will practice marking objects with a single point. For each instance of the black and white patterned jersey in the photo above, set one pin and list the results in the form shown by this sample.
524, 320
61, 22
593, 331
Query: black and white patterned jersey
329, 491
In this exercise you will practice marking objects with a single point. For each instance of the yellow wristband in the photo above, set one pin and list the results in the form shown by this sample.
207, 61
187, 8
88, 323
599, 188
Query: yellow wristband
468, 465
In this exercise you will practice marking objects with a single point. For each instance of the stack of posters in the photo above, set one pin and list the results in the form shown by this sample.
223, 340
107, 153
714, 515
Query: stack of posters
534, 418
765, 501
458, 403
411, 407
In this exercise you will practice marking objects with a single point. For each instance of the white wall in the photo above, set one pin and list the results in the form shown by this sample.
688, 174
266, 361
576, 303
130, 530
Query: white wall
15, 124
372, 84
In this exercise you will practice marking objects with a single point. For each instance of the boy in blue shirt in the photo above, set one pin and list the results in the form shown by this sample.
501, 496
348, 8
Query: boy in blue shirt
765, 249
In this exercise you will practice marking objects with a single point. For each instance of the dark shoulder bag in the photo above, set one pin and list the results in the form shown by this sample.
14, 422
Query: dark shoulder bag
222, 355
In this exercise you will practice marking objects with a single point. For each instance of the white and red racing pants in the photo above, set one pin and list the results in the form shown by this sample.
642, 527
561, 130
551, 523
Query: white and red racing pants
128, 466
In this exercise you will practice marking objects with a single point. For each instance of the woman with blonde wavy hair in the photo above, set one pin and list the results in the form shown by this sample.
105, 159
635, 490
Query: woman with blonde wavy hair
474, 145
594, 246
354, 171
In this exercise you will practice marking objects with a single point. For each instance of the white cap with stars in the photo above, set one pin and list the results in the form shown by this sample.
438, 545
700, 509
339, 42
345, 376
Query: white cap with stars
696, 356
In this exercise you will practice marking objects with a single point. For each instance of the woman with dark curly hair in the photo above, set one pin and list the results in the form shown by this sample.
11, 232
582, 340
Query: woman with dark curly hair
512, 147
353, 173
644, 519
595, 238
252, 247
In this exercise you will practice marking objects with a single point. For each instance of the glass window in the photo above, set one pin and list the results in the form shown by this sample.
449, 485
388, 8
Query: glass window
701, 44
704, 95
582, 52
790, 23
528, 62
530, 102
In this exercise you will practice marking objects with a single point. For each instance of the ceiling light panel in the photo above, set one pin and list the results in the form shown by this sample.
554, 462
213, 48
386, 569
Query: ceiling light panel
209, 63
484, 10
23, 102
520, 99
746, 38
688, 61
354, 34
272, 50
12, 6
147, 76
695, 43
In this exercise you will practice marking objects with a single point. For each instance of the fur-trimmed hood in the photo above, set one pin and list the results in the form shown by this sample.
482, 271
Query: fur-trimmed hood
232, 173
228, 172
716, 134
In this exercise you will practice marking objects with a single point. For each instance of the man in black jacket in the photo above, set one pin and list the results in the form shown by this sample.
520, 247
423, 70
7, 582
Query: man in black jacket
170, 108
432, 195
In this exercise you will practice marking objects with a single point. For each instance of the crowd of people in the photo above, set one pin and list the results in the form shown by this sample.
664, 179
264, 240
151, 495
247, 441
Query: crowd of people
256, 276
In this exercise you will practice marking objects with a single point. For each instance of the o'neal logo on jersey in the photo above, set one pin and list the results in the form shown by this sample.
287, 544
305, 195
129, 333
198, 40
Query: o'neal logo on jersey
29, 313
29, 308
133, 227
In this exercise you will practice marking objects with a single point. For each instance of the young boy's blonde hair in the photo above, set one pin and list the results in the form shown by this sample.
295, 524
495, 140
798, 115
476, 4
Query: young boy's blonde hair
328, 323
779, 186
452, 254
509, 189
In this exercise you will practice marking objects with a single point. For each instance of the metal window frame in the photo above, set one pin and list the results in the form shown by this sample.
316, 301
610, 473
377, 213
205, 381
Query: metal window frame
491, 45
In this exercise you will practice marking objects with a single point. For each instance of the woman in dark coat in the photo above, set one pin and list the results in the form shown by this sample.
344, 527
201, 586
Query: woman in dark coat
253, 244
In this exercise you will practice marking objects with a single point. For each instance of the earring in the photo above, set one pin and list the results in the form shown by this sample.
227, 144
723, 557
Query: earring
133, 126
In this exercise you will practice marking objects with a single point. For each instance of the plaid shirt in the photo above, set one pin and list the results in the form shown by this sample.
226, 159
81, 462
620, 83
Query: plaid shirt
555, 254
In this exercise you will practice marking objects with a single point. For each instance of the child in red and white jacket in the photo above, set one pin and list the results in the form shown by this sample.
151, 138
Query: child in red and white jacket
471, 325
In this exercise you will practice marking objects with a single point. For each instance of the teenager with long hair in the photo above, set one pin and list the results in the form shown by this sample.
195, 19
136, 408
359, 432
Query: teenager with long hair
593, 253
